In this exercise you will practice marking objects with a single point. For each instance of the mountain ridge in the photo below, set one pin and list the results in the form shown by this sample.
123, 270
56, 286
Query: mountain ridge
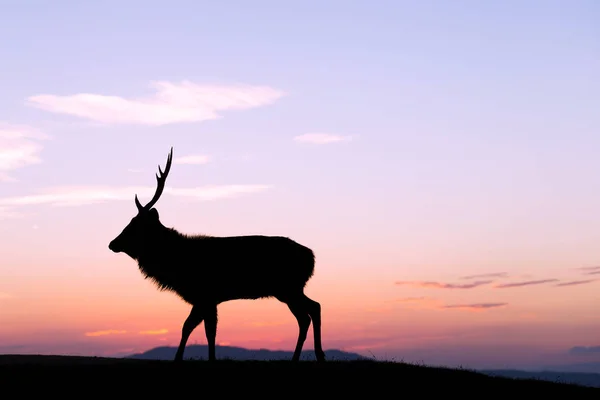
200, 351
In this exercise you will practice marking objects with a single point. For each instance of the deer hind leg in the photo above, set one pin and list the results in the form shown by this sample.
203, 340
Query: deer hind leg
210, 327
298, 307
314, 311
193, 320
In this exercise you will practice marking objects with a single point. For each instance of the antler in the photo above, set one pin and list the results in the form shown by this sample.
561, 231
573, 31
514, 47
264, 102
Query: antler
160, 184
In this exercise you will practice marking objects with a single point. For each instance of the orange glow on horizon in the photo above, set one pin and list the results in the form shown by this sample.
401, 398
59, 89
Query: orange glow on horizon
156, 332
104, 333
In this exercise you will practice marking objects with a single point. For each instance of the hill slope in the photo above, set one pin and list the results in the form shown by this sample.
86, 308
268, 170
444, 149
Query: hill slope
87, 376
200, 352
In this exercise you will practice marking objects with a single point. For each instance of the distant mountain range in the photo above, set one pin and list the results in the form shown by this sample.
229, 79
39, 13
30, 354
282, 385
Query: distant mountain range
200, 352
578, 378
581, 374
591, 367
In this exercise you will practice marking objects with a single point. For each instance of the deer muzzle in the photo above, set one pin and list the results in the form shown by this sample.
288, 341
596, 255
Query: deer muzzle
114, 246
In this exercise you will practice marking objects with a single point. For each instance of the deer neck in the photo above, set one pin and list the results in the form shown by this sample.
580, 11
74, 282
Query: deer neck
156, 248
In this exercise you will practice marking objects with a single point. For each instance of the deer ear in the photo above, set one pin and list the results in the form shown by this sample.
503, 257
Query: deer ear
153, 213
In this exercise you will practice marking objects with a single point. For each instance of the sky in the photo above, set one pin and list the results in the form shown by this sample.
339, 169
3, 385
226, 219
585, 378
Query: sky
440, 158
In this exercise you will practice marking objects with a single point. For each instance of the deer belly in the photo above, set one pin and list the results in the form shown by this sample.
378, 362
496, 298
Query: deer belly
253, 288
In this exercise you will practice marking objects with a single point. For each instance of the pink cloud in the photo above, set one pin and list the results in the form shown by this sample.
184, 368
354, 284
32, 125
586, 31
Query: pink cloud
476, 306
574, 283
172, 103
429, 303
491, 275
589, 268
19, 147
524, 283
440, 285
83, 195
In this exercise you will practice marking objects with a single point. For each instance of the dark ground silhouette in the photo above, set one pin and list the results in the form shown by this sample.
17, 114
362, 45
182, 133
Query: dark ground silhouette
207, 270
200, 352
88, 377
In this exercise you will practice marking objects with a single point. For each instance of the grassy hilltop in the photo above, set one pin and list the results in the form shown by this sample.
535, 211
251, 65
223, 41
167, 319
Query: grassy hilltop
87, 376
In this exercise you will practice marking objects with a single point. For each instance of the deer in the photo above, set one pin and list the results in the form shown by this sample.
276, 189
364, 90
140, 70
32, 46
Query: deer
205, 270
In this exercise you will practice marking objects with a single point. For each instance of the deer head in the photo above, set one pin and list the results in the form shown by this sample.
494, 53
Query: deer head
138, 234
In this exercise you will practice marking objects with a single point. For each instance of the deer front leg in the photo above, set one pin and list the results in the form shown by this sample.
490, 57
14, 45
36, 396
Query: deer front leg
210, 327
193, 320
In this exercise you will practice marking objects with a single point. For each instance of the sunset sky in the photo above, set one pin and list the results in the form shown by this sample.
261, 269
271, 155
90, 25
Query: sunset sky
440, 158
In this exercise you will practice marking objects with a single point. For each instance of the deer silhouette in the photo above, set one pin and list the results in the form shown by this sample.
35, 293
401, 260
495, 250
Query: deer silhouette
206, 270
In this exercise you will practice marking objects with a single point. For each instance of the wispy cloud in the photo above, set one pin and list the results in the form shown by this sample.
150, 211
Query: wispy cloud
475, 307
491, 275
4, 295
321, 138
171, 103
429, 303
105, 333
8, 213
441, 285
574, 283
524, 283
75, 196
192, 159
155, 332
589, 268
19, 147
